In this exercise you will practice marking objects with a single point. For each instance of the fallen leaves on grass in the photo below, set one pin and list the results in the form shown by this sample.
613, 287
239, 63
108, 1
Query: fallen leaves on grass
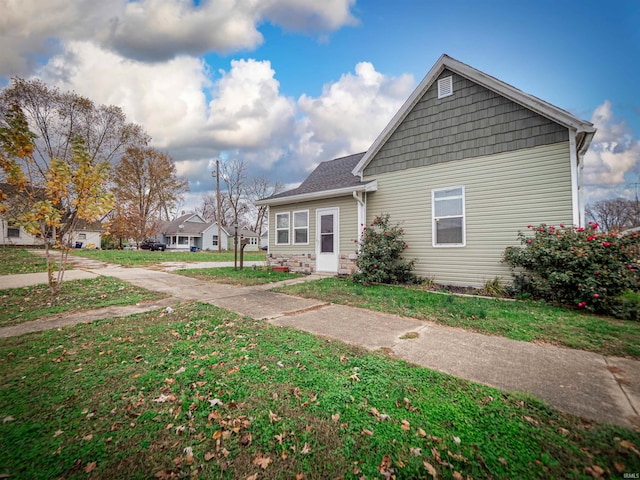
630, 446
261, 461
273, 417
430, 469
165, 398
90, 467
385, 467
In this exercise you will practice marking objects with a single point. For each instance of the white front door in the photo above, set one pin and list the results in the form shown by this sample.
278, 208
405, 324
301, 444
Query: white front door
327, 240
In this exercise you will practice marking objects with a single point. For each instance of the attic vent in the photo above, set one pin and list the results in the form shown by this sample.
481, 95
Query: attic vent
445, 87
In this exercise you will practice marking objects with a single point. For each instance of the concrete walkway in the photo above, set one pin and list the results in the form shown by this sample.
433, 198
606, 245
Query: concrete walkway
596, 387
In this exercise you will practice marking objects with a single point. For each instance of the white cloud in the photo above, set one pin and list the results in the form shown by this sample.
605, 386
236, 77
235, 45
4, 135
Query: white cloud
351, 112
309, 15
32, 28
614, 152
153, 30
167, 99
247, 110
160, 29
197, 115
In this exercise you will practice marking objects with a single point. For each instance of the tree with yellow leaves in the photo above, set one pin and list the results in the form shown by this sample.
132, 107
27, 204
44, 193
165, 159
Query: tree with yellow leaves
49, 203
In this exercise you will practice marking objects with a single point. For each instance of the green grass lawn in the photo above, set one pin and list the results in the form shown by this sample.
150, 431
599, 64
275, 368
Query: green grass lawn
204, 393
138, 258
526, 321
18, 305
245, 277
18, 260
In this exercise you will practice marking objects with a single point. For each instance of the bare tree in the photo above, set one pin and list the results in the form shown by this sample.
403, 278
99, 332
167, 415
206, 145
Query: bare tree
146, 188
260, 187
234, 174
57, 119
207, 209
614, 215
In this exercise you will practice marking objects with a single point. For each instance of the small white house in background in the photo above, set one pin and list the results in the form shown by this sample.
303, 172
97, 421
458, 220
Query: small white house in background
254, 240
191, 230
186, 231
85, 236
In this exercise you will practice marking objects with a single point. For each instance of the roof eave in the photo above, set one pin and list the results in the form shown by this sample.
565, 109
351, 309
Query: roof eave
305, 197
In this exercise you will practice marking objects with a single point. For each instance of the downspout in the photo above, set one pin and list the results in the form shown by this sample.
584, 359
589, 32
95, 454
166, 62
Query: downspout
362, 213
577, 208
581, 150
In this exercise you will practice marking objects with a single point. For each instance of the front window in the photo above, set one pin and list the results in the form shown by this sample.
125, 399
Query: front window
301, 227
183, 240
282, 228
448, 217
13, 230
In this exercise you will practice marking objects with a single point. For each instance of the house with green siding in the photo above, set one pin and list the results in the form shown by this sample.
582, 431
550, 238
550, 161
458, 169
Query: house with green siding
466, 163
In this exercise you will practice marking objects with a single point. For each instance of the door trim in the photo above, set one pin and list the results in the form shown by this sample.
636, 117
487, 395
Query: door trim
335, 261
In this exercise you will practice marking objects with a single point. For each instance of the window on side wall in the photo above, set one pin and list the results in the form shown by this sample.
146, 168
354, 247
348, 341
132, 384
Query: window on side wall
282, 228
301, 227
13, 230
215, 240
447, 205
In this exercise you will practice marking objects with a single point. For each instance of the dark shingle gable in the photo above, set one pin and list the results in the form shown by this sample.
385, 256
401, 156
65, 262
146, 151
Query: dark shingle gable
329, 175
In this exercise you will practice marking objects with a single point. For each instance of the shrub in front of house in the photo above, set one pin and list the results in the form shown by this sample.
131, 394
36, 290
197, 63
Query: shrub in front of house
581, 267
380, 254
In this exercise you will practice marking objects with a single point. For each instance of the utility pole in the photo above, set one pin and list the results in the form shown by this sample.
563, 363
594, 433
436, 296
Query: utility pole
218, 205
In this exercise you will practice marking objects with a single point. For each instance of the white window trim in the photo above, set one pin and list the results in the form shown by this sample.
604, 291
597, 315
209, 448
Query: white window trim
293, 226
434, 220
445, 87
288, 214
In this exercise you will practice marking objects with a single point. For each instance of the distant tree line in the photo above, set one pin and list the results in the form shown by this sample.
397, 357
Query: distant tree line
614, 215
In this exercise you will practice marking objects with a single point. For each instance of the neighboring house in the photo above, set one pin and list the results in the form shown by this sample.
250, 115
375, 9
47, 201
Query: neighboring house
187, 231
87, 235
463, 165
254, 240
14, 235
191, 230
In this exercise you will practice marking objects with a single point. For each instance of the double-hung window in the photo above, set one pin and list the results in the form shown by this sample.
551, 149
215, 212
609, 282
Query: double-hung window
447, 205
13, 230
301, 227
282, 228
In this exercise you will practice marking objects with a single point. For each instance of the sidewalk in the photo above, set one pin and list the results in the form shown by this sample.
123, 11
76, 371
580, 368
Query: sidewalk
600, 388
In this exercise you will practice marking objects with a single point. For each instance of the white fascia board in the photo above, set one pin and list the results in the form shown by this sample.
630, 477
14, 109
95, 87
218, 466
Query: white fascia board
305, 197
400, 116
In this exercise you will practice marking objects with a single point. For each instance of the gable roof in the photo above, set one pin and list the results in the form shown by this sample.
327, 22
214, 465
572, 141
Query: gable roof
188, 226
584, 130
333, 177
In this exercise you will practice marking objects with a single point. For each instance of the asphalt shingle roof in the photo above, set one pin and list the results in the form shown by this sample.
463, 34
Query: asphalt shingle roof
329, 175
189, 228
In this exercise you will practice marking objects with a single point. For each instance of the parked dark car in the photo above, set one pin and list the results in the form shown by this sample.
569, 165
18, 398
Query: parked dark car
153, 245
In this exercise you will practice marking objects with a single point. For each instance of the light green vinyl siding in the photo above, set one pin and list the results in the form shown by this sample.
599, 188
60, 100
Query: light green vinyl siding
348, 224
503, 194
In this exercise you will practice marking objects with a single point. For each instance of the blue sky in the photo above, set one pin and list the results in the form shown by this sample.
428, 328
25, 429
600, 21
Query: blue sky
286, 84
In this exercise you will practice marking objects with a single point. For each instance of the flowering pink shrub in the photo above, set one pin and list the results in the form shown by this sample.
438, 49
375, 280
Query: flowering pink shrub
578, 266
380, 256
